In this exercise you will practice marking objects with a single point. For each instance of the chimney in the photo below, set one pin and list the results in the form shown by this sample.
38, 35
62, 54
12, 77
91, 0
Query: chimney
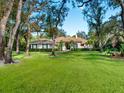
76, 36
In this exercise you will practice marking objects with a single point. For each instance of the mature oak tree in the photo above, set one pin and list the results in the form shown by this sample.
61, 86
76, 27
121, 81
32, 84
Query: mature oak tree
3, 22
8, 55
94, 13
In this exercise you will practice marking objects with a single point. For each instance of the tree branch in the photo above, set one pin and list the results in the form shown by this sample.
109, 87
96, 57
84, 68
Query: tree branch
84, 2
59, 13
54, 1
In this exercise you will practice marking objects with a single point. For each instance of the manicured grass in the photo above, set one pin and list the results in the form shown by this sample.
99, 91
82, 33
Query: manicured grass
72, 72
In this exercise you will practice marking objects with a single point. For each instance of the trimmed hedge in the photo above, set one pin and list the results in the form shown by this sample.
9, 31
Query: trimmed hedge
41, 50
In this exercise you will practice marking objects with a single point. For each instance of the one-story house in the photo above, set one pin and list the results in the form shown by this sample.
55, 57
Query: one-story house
41, 44
71, 42
66, 43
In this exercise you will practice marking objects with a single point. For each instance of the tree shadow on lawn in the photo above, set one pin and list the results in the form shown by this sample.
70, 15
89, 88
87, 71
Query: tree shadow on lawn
102, 58
15, 54
90, 56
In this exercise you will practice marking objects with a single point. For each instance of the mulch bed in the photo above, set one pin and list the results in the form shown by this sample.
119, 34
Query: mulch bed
117, 57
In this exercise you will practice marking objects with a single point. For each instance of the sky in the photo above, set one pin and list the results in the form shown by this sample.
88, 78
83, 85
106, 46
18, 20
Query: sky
75, 22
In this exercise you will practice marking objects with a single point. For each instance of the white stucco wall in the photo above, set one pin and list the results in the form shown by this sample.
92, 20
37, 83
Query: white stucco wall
34, 46
49, 46
79, 45
39, 46
84, 46
31, 47
63, 48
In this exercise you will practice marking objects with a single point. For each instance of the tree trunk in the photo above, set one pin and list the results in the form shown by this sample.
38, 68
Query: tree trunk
1, 47
99, 41
3, 23
28, 40
17, 43
8, 56
122, 17
27, 47
53, 46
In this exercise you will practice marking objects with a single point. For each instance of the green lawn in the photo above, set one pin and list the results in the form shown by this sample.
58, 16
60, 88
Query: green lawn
73, 72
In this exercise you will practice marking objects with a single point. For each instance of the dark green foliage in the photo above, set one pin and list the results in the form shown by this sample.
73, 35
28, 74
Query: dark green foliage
122, 49
40, 50
82, 34
94, 13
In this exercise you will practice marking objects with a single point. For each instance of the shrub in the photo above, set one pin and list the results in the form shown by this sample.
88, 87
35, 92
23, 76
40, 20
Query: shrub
122, 49
40, 50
